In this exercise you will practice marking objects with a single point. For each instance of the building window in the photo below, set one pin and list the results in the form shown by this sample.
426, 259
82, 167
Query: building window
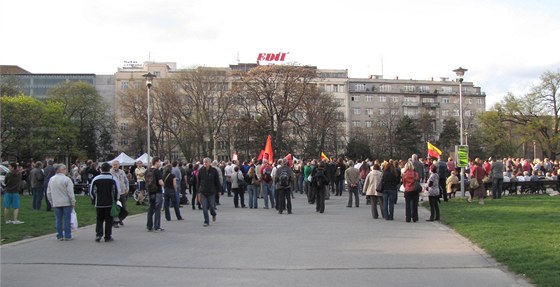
456, 113
409, 99
381, 111
157, 74
356, 111
425, 89
469, 101
360, 87
124, 126
356, 124
124, 142
124, 85
409, 88
369, 124
382, 99
445, 113
480, 101
468, 113
427, 100
356, 98
369, 112
369, 98
385, 88
395, 99
174, 155
445, 100
409, 112
394, 112
446, 90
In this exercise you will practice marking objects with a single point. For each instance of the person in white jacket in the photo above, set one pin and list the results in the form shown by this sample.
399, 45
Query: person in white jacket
370, 184
60, 193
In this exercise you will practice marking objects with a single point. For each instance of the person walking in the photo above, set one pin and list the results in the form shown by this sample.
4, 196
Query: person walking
60, 193
208, 186
373, 179
170, 193
497, 174
352, 176
11, 184
37, 184
433, 193
104, 191
122, 180
283, 179
390, 180
411, 196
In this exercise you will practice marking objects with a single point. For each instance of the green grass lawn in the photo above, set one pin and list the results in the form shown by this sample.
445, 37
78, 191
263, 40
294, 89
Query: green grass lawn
521, 232
38, 223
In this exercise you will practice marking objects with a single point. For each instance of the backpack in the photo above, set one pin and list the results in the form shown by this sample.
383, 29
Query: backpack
266, 175
284, 177
338, 171
150, 179
320, 179
442, 170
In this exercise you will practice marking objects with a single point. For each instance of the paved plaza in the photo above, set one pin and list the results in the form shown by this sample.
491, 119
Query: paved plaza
247, 247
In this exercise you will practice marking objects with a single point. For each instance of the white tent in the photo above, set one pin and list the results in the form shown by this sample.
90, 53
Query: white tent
124, 160
144, 159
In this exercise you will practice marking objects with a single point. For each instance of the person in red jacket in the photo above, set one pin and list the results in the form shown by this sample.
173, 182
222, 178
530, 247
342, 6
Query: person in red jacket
411, 196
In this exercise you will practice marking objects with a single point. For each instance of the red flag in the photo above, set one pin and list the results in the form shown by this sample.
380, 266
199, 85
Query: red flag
433, 151
261, 154
268, 150
290, 159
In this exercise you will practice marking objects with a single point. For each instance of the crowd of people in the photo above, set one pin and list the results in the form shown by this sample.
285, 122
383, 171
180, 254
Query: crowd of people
166, 185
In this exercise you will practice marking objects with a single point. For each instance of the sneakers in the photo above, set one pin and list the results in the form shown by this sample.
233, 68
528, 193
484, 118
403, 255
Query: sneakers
159, 230
109, 239
17, 222
213, 218
206, 225
9, 222
98, 239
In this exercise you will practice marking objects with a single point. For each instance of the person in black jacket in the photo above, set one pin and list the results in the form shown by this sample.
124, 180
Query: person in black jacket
208, 185
390, 180
104, 190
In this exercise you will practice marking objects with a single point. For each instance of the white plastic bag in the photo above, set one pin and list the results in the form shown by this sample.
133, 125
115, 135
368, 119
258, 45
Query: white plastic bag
74, 220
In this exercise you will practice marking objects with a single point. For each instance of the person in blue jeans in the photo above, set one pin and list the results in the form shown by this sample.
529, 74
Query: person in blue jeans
390, 181
267, 187
37, 178
253, 188
156, 195
60, 193
208, 185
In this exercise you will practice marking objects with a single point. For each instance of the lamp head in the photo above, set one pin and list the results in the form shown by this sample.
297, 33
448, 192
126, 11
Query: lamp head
460, 73
149, 77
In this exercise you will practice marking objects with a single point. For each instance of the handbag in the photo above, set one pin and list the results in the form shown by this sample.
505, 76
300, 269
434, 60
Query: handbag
417, 187
379, 187
473, 183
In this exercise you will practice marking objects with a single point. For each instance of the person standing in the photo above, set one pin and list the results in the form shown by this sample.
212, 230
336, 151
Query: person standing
411, 196
478, 173
433, 193
37, 183
208, 185
352, 176
49, 172
170, 193
139, 172
154, 185
12, 183
307, 170
104, 191
237, 181
253, 188
497, 173
390, 180
370, 187
122, 180
193, 184
319, 182
176, 170
60, 193
283, 178
266, 180
442, 175
339, 176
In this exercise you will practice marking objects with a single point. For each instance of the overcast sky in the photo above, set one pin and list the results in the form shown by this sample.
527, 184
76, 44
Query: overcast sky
505, 45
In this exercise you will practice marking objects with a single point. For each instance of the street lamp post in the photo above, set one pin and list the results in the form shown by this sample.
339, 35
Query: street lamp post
460, 73
149, 77
534, 149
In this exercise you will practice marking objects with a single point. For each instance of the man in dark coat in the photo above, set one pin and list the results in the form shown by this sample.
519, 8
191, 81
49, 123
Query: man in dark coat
208, 186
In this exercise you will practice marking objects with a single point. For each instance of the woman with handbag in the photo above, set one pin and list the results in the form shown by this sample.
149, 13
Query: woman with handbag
237, 186
389, 181
412, 189
371, 183
433, 193
476, 184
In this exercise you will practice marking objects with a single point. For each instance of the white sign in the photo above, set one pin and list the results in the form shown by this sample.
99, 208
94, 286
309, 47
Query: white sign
132, 64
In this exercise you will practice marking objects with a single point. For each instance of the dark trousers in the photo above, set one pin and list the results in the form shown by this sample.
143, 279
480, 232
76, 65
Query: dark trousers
376, 200
284, 200
311, 196
442, 190
411, 205
497, 186
49, 206
104, 216
238, 193
321, 195
434, 207
170, 197
194, 199
353, 191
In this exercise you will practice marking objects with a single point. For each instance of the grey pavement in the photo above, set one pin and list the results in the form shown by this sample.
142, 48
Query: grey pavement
248, 247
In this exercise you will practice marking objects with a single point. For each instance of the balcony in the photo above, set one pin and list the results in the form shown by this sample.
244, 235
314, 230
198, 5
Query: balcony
410, 104
430, 105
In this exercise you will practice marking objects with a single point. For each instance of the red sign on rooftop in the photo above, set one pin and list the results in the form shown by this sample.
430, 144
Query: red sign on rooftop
271, 57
